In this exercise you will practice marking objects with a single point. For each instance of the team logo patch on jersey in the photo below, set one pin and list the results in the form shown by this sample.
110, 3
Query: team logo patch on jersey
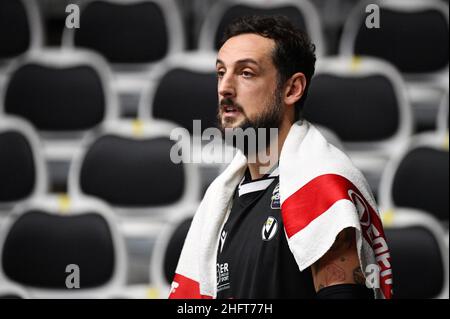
269, 229
223, 236
275, 199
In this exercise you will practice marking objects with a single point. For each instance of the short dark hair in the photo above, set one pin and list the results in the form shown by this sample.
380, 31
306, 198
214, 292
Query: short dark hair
293, 52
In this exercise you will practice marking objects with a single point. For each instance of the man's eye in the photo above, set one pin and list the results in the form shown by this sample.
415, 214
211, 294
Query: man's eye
220, 74
247, 74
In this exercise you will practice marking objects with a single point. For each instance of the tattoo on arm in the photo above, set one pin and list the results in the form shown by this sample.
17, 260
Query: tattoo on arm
340, 264
334, 274
358, 276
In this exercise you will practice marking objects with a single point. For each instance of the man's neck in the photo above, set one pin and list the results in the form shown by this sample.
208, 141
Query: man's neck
258, 169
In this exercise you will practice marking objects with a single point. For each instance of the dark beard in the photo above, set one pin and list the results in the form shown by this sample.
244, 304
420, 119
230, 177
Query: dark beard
270, 118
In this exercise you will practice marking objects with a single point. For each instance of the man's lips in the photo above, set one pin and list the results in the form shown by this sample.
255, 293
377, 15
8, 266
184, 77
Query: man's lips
230, 110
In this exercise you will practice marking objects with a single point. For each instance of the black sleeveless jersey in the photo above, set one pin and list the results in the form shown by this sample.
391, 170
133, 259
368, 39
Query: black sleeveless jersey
253, 258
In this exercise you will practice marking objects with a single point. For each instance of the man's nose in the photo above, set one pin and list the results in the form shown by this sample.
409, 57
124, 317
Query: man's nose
226, 86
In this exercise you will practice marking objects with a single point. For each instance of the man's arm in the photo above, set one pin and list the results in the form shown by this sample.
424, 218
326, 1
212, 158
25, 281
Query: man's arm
340, 265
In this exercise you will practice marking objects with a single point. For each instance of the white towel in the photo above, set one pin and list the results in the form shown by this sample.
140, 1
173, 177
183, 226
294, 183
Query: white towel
321, 193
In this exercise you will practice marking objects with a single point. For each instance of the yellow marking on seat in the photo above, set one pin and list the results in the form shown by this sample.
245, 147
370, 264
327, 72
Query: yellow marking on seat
387, 217
152, 293
138, 127
445, 144
64, 203
356, 63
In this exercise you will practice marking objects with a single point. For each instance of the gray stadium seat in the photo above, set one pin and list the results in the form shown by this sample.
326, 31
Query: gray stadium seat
442, 117
41, 238
302, 13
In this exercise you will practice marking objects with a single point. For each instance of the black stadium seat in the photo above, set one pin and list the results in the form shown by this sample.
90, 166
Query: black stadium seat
134, 36
22, 169
114, 164
413, 36
124, 33
419, 255
352, 116
20, 27
60, 90
361, 100
40, 245
290, 11
129, 165
64, 94
422, 181
56, 99
196, 98
17, 170
418, 177
136, 32
167, 250
42, 238
417, 263
193, 77
174, 247
415, 42
301, 13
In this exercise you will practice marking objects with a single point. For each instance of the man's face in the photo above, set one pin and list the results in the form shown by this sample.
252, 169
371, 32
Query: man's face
247, 83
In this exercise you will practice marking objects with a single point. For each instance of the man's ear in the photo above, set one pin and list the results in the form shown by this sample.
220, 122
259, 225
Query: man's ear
295, 87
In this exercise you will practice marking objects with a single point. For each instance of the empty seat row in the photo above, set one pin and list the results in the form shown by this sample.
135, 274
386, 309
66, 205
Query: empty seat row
66, 94
128, 171
44, 245
129, 167
413, 39
127, 164
136, 168
124, 34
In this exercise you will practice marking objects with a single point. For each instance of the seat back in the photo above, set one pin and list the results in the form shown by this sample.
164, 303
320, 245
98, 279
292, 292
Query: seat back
129, 32
362, 101
51, 245
60, 91
418, 177
300, 12
20, 28
193, 77
418, 255
413, 35
130, 166
167, 250
23, 173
